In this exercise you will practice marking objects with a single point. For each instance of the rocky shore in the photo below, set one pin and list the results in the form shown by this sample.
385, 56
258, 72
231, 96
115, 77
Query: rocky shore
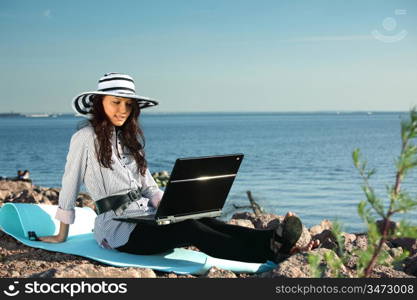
18, 260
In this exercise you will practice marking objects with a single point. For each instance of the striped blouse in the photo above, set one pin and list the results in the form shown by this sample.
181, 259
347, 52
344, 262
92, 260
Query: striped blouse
82, 167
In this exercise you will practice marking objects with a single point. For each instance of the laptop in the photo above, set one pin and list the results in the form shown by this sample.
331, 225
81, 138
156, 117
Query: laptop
197, 188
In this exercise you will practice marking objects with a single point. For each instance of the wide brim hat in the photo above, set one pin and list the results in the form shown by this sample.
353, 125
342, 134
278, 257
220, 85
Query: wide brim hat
112, 84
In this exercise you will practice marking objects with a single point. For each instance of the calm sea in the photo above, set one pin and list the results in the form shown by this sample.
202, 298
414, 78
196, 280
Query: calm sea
297, 162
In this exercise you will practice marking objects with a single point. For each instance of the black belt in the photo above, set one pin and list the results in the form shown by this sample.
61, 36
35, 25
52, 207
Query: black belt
117, 203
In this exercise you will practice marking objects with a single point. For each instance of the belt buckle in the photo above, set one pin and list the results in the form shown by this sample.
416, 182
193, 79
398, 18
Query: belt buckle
133, 195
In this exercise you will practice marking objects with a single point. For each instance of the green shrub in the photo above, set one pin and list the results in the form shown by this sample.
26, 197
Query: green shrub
399, 202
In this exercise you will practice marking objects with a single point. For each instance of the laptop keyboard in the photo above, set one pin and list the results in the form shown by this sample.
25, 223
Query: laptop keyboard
137, 213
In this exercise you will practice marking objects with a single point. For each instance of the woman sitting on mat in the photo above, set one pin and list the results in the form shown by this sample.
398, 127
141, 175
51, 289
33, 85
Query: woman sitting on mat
107, 155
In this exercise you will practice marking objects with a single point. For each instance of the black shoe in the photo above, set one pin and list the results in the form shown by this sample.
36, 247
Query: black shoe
285, 236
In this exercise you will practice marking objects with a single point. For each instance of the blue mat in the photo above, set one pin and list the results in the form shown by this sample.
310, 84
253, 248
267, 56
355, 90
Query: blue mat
16, 219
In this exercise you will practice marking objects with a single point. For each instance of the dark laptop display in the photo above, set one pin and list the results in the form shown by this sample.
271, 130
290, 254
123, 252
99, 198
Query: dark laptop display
198, 187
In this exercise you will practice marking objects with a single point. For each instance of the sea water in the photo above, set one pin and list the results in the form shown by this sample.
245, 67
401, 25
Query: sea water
300, 162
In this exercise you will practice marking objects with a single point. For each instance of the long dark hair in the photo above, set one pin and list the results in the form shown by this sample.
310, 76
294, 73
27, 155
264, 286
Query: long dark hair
131, 135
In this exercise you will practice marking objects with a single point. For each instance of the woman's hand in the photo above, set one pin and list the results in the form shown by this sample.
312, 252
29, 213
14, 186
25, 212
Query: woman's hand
59, 238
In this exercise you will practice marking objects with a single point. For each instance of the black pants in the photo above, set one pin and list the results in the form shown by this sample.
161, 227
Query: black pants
211, 236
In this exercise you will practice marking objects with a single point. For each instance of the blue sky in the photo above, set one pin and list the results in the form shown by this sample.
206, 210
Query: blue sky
215, 56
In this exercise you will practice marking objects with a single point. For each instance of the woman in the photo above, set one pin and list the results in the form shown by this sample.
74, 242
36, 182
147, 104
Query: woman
108, 156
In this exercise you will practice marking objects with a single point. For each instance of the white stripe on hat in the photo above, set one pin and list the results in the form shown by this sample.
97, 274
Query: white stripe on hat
81, 105
116, 83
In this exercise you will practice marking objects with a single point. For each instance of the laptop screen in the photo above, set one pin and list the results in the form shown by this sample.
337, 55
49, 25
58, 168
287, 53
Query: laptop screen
199, 185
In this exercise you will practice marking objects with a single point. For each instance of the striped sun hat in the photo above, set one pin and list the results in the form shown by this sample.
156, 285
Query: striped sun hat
114, 84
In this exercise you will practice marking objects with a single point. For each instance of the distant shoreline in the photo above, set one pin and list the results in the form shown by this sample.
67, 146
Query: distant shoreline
154, 113
30, 115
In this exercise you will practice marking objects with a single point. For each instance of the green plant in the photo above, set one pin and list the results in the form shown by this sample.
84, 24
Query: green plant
333, 261
399, 202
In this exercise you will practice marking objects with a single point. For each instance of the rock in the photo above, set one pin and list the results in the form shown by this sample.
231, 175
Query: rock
304, 239
267, 221
352, 261
15, 274
46, 274
37, 196
241, 222
396, 252
353, 258
23, 197
387, 272
56, 190
215, 272
264, 221
244, 216
361, 241
324, 225
9, 187
93, 271
349, 240
45, 200
406, 243
39, 189
25, 192
161, 178
4, 194
389, 260
385, 247
296, 266
391, 226
11, 244
326, 239
84, 200
411, 265
14, 186
315, 230
51, 194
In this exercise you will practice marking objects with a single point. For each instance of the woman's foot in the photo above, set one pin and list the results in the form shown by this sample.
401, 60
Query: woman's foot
286, 235
310, 246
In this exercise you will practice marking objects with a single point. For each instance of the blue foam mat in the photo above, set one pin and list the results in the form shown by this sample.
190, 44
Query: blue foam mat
16, 219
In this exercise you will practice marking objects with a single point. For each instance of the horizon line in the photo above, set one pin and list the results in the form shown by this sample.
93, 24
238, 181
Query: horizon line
221, 112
